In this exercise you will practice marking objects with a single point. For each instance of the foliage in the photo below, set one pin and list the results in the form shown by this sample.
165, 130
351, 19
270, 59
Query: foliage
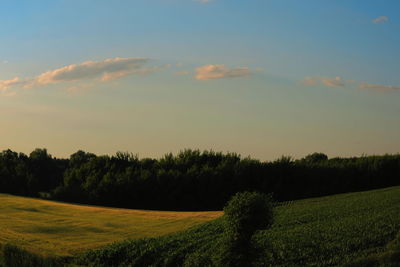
23, 175
244, 214
315, 158
190, 180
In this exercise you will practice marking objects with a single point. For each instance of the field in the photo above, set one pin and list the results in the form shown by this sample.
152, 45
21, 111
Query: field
328, 231
60, 229
346, 229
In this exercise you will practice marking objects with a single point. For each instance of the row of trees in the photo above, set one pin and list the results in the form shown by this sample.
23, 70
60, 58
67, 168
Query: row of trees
29, 175
190, 180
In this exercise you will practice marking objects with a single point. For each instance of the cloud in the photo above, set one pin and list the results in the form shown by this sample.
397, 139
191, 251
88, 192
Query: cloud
104, 71
310, 81
210, 72
330, 82
107, 69
378, 87
6, 84
381, 19
339, 82
333, 82
204, 1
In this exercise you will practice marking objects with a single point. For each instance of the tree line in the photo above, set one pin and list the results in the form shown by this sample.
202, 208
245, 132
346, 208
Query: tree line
189, 180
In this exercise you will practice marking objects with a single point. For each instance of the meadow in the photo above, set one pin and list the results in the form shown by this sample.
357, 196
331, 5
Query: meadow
354, 229
59, 229
348, 229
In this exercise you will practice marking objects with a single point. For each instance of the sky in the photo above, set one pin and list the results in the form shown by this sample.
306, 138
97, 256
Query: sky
262, 78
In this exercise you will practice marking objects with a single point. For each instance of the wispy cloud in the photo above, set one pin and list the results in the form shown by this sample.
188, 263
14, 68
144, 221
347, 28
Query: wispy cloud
381, 19
310, 81
333, 82
211, 72
6, 84
103, 71
339, 82
107, 69
378, 87
80, 88
330, 82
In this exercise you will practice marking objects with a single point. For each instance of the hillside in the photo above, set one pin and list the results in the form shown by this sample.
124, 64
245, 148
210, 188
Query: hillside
354, 229
55, 228
327, 231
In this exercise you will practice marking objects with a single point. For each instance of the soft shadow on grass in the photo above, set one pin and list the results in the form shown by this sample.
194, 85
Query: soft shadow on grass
12, 256
388, 258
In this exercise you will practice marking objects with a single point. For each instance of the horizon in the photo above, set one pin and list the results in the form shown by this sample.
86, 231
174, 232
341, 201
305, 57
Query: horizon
258, 78
140, 157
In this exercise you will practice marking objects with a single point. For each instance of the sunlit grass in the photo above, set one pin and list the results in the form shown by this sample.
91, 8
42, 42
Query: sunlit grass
54, 228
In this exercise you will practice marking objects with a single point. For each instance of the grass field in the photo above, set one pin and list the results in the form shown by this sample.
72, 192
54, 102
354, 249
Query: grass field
328, 231
360, 229
60, 229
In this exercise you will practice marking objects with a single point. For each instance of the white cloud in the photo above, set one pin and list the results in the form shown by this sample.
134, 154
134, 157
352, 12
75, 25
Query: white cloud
333, 82
330, 82
210, 72
310, 81
381, 19
107, 69
6, 84
339, 82
378, 87
204, 1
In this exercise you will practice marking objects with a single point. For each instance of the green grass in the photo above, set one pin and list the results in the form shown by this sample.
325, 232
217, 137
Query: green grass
337, 230
356, 229
49, 228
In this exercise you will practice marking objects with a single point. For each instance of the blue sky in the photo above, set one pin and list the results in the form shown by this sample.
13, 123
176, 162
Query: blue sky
262, 78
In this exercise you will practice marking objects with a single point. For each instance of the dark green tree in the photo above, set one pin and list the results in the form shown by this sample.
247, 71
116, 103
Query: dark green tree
245, 213
315, 158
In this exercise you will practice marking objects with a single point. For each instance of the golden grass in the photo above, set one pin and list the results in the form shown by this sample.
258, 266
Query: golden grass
55, 228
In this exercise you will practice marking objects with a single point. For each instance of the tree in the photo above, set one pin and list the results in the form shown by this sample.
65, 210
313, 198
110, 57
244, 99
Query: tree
316, 158
245, 213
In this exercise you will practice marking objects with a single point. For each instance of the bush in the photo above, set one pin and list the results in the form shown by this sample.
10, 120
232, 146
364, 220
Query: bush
248, 212
245, 213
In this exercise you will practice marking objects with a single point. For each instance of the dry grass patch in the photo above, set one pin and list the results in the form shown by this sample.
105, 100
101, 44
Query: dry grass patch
55, 228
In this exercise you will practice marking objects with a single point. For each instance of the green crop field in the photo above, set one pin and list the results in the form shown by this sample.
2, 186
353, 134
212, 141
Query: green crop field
328, 231
60, 229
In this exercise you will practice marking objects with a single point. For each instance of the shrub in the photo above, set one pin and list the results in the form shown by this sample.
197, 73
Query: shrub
245, 213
